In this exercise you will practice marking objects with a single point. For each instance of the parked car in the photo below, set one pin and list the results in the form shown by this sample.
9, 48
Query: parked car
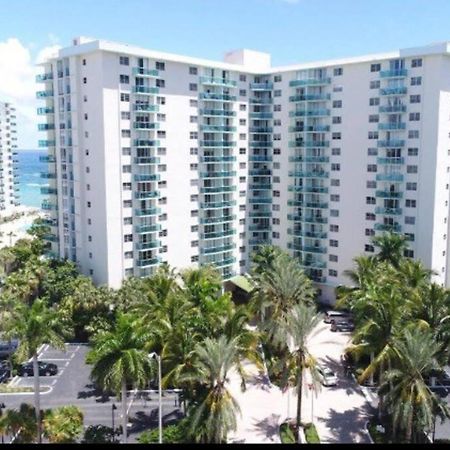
327, 376
7, 348
342, 325
5, 371
45, 369
333, 315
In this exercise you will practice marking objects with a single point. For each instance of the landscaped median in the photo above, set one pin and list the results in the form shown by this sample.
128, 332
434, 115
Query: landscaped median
287, 433
5, 389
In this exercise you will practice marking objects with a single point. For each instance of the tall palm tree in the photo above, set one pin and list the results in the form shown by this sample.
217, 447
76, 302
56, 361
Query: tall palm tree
22, 419
391, 247
409, 399
296, 328
214, 415
35, 326
63, 425
263, 258
119, 358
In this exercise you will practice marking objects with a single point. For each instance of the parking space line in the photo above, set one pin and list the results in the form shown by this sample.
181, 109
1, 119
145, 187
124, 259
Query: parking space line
57, 359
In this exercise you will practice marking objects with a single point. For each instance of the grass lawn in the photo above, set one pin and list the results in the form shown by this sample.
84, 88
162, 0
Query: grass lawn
4, 389
309, 429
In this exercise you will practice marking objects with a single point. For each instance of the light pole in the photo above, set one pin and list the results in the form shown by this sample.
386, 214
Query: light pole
154, 355
2, 407
311, 389
113, 408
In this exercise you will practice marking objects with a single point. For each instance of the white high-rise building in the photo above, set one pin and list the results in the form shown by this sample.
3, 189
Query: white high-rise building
9, 197
156, 158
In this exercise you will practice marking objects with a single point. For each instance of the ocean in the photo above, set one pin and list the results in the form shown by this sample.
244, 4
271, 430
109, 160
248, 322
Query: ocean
30, 180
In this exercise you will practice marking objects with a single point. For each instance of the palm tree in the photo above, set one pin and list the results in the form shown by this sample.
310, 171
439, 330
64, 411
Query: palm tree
11, 234
412, 404
63, 425
214, 415
21, 420
391, 247
296, 328
263, 258
119, 358
35, 326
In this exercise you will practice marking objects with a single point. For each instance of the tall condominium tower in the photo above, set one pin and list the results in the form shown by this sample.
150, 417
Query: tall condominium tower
157, 158
9, 196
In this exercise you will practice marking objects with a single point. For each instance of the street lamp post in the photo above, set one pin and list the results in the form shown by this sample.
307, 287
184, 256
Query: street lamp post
113, 408
2, 407
311, 388
154, 355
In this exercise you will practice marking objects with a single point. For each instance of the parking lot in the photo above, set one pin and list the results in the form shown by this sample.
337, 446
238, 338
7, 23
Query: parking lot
72, 386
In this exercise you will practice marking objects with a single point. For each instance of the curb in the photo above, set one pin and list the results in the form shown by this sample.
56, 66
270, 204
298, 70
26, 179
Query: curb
366, 430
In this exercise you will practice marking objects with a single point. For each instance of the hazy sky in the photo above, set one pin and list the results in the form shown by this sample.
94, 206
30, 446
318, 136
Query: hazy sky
291, 30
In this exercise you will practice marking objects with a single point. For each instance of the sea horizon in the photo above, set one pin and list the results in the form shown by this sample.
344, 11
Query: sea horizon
30, 181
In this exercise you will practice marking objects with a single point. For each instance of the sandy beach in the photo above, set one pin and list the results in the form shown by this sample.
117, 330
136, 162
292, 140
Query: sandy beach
18, 226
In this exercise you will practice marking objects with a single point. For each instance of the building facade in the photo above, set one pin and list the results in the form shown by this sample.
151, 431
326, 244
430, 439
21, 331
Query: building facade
9, 189
157, 158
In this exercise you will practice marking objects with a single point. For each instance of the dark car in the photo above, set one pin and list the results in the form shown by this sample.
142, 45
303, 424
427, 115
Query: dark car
342, 325
45, 369
5, 371
7, 348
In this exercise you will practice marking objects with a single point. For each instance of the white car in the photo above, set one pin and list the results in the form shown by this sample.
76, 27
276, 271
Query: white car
327, 376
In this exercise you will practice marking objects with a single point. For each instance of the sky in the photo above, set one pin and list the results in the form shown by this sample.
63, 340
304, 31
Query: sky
293, 31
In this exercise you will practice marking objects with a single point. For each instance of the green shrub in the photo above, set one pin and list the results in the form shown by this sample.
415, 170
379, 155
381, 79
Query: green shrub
286, 434
311, 434
176, 433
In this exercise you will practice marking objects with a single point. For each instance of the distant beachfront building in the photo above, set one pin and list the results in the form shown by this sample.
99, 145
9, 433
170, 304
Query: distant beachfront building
9, 184
155, 157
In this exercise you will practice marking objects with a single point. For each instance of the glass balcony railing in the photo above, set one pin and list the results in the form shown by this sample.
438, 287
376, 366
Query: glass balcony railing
218, 128
147, 195
389, 177
147, 212
47, 159
307, 234
309, 189
217, 159
304, 204
261, 101
217, 249
309, 129
42, 78
260, 172
309, 144
392, 126
395, 73
388, 227
309, 159
225, 174
261, 86
146, 107
51, 238
261, 144
140, 71
392, 109
314, 264
215, 205
45, 111
148, 262
217, 189
399, 90
389, 194
141, 246
145, 90
384, 161
261, 130
147, 177
224, 262
46, 126
260, 158
144, 160
309, 174
46, 143
392, 143
217, 234
310, 82
258, 241
307, 219
388, 211
145, 143
49, 176
145, 126
218, 112
308, 249
260, 187
260, 214
217, 81
46, 190
44, 94
210, 143
148, 228
218, 219
213, 96
319, 112
48, 206
309, 97
260, 200
261, 115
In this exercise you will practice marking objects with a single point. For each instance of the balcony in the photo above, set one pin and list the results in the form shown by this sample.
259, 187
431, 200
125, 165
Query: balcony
216, 81
147, 212
389, 228
255, 242
49, 176
145, 126
45, 111
309, 144
395, 73
48, 206
212, 96
47, 159
42, 78
310, 82
141, 246
217, 249
217, 159
389, 194
309, 159
319, 112
392, 143
218, 112
46, 126
218, 128
399, 90
217, 219
45, 190
145, 143
143, 107
310, 129
224, 262
261, 130
390, 177
50, 238
260, 172
314, 264
260, 214
309, 174
46, 143
215, 205
144, 160
261, 101
225, 174
308, 249
148, 262
309, 98
388, 211
261, 86
261, 187
218, 143
309, 189
146, 195
392, 109
261, 115
44, 94
307, 234
260, 158
217, 189
217, 234
145, 90
261, 144
147, 177
141, 72
148, 228
307, 219
392, 126
384, 161
304, 204
260, 200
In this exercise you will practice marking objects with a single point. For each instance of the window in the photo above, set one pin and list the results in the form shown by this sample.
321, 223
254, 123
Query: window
277, 108
375, 84
334, 213
128, 221
333, 258
242, 137
372, 151
84, 62
375, 67
370, 232
335, 182
410, 220
161, 100
338, 71
193, 71
416, 81
128, 238
242, 92
334, 228
416, 62
84, 80
242, 107
335, 167
126, 186
370, 216
337, 120
193, 103
413, 151
160, 83
160, 65
374, 118
371, 184
411, 186
277, 93
125, 115
193, 119
332, 273
88, 204
336, 136
126, 169
373, 135
334, 243
410, 203
126, 133
371, 168
242, 77
337, 103
126, 151
374, 101
127, 203
277, 78
194, 151
414, 117
124, 60
411, 169
414, 98
408, 253
335, 151
192, 86
85, 116
277, 151
371, 200
337, 88
335, 197
369, 248
242, 122
242, 151
128, 255
124, 97
413, 134
193, 135
124, 79
160, 117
